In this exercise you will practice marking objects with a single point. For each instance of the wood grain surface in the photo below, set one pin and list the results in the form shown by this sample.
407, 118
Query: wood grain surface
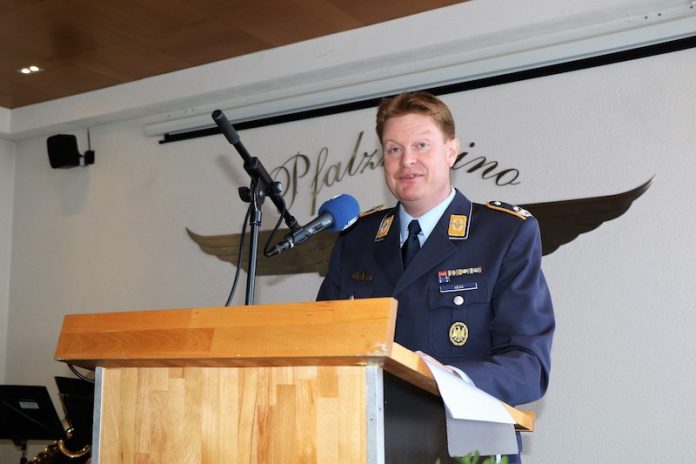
234, 415
336, 332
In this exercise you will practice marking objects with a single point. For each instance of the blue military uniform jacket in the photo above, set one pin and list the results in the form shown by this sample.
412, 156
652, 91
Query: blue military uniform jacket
473, 297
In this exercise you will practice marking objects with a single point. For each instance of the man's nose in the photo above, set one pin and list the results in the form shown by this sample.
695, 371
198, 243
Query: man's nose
408, 157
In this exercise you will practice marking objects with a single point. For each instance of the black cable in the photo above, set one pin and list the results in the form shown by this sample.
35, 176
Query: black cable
240, 257
79, 374
270, 237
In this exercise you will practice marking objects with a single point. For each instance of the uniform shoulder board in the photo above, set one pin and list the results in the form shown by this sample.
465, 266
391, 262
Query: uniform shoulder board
510, 209
374, 209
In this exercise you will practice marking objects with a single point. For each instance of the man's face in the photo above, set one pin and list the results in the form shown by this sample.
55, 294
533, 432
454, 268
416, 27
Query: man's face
417, 161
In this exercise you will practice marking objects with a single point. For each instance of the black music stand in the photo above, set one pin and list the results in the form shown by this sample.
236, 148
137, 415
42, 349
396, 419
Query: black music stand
27, 413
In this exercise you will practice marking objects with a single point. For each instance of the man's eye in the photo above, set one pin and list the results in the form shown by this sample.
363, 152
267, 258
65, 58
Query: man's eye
422, 145
393, 150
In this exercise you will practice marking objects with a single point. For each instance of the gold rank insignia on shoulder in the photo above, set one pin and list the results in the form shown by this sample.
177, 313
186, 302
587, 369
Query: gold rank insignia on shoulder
457, 225
510, 209
458, 333
374, 209
384, 227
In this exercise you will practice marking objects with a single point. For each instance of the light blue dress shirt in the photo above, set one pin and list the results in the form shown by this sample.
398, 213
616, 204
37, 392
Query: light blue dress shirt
427, 221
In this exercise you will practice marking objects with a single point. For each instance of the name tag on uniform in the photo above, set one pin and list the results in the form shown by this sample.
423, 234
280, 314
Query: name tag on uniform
458, 287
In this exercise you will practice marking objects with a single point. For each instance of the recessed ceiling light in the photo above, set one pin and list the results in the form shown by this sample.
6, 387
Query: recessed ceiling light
30, 69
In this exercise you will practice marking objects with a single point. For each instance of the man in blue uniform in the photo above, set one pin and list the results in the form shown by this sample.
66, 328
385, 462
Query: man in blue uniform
467, 276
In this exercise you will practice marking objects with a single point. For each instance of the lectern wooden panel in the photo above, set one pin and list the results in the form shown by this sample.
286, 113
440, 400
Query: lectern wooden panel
294, 383
225, 415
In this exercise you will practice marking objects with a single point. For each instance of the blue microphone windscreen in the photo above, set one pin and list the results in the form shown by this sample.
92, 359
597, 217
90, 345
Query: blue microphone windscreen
344, 209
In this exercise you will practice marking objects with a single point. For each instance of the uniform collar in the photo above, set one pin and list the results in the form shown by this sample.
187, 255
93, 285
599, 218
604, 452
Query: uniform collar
427, 221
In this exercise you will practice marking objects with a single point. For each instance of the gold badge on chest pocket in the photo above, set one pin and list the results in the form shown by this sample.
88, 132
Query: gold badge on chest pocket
458, 333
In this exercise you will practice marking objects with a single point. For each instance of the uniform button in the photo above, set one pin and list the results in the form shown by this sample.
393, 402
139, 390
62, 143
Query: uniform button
458, 300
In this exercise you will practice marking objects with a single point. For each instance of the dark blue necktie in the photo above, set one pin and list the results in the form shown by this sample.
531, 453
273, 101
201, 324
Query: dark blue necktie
412, 244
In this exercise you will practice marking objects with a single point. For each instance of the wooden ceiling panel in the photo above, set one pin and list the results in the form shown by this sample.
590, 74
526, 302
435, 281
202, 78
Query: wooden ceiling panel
140, 18
372, 12
293, 21
49, 30
85, 45
205, 42
8, 5
329, 14
128, 61
14, 94
61, 79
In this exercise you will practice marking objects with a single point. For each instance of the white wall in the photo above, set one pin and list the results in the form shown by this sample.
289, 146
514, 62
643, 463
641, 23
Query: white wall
623, 355
6, 195
112, 237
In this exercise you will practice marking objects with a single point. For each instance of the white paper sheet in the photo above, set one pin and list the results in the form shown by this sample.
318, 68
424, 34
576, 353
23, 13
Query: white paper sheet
476, 421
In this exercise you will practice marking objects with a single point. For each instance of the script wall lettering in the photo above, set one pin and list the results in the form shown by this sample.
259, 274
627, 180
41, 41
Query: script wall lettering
488, 169
321, 173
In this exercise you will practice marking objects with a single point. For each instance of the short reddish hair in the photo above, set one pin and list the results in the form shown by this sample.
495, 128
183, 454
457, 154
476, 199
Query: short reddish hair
415, 102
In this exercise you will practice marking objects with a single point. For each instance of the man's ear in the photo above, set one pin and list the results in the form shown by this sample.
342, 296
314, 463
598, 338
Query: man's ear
452, 150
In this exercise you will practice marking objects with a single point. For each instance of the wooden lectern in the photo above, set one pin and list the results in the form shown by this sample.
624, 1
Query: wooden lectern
293, 383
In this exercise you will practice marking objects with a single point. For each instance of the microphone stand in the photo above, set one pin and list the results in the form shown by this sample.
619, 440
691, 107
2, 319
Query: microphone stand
262, 186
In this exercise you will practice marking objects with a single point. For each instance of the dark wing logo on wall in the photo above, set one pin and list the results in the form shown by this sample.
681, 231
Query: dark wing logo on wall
314, 258
560, 223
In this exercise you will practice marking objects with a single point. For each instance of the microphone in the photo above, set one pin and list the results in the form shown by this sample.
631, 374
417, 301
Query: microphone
336, 214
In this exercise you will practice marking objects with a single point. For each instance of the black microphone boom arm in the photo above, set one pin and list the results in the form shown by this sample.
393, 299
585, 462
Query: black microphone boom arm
256, 170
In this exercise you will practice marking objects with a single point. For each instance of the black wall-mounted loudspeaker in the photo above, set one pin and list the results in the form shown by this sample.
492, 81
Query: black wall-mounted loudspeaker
63, 152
